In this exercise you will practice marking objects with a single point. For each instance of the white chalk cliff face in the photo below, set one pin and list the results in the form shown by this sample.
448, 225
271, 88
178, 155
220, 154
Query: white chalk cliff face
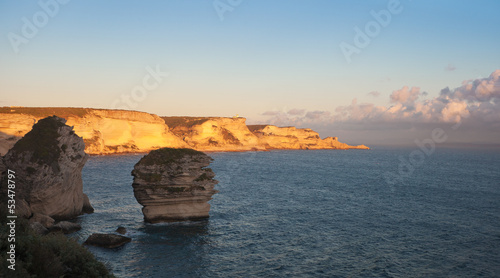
48, 162
174, 185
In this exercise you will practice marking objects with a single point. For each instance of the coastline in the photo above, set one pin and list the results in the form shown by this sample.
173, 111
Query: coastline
107, 132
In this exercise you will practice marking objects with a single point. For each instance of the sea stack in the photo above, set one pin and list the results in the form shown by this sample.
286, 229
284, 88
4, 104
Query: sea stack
48, 164
174, 185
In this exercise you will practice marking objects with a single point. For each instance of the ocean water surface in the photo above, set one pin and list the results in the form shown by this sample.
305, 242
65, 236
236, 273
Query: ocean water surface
315, 213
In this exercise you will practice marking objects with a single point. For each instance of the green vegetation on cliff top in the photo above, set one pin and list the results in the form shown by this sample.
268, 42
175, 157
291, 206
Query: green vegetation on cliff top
167, 156
42, 112
42, 141
174, 122
187, 121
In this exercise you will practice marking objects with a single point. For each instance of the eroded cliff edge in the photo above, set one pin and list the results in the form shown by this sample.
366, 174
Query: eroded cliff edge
273, 137
48, 163
121, 131
174, 185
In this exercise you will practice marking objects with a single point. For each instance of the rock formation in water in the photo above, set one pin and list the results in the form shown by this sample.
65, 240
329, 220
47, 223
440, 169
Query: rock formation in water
174, 185
107, 240
121, 131
48, 163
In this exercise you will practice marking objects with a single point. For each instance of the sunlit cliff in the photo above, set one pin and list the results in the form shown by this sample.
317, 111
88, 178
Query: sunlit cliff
122, 131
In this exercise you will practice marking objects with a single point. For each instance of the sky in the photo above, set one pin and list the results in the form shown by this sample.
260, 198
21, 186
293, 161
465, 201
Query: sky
373, 72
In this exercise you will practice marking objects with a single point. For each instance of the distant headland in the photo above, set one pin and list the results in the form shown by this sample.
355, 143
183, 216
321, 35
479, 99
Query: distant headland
121, 131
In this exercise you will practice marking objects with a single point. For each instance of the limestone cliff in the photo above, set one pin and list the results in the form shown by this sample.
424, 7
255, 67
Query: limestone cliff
104, 131
174, 185
48, 162
121, 131
214, 133
273, 137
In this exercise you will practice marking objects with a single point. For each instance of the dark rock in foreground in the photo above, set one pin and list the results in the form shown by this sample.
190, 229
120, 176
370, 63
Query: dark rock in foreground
107, 240
174, 185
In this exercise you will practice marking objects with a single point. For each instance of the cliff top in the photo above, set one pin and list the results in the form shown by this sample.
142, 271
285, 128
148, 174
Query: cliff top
167, 156
174, 122
65, 112
187, 121
253, 128
43, 112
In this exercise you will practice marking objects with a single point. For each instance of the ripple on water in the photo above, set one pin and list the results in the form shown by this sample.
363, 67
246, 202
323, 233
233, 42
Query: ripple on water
311, 213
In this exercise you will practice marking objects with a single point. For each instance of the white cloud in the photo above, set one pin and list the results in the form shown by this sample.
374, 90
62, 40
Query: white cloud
297, 111
405, 95
475, 101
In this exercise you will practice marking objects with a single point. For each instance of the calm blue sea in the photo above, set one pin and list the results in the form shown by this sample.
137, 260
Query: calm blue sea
316, 213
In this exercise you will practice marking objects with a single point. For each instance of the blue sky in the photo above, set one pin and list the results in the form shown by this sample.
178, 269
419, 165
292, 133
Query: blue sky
259, 60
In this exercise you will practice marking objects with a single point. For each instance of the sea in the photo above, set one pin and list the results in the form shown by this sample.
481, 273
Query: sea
384, 212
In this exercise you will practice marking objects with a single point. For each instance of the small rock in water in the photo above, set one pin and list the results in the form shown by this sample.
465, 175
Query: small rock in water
121, 230
107, 240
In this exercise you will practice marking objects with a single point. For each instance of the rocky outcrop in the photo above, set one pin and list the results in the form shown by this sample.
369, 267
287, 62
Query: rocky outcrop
48, 162
174, 185
333, 143
273, 137
107, 240
121, 131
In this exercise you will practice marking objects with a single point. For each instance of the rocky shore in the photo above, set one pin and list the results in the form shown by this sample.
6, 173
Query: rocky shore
41, 182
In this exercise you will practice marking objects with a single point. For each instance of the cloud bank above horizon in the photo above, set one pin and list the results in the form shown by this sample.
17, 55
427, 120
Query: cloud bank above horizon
473, 106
